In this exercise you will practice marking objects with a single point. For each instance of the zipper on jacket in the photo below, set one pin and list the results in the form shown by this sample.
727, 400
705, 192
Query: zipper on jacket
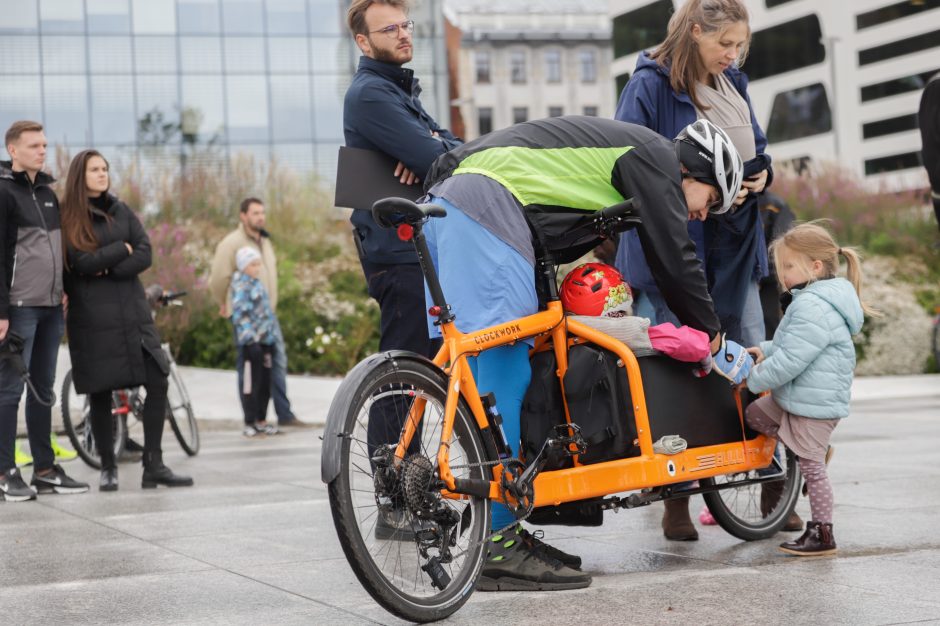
45, 228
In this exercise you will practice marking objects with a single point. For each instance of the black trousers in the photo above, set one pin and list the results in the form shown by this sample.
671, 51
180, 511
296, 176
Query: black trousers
399, 290
256, 381
102, 419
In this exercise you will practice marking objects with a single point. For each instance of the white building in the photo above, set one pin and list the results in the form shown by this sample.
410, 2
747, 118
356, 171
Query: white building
830, 81
528, 59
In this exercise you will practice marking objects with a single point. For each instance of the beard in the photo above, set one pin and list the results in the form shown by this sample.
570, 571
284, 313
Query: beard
390, 55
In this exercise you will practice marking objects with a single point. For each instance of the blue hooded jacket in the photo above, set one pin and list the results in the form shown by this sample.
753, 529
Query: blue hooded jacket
808, 367
731, 245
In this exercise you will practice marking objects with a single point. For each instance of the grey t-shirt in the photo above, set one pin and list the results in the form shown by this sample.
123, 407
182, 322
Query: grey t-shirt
729, 111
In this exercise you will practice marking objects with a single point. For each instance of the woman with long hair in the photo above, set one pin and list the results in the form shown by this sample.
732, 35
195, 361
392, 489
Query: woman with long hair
692, 74
113, 341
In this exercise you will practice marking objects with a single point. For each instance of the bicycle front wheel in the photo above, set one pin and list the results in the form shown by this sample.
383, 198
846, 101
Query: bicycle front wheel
417, 553
180, 413
756, 510
76, 418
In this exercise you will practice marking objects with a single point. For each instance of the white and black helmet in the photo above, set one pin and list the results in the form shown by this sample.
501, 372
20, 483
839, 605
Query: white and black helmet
707, 152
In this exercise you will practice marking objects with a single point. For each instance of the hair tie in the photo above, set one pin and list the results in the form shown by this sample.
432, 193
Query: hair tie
840, 251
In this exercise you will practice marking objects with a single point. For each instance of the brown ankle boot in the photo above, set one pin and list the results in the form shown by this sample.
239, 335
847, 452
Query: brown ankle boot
770, 494
816, 541
677, 523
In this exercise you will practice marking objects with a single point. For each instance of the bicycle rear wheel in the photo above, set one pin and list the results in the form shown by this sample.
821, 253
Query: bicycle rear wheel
738, 509
180, 413
418, 568
76, 419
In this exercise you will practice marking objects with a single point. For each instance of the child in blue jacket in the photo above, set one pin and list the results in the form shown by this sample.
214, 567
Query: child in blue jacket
808, 367
255, 328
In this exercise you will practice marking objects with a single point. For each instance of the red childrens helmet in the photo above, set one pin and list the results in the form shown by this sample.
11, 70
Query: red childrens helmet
595, 289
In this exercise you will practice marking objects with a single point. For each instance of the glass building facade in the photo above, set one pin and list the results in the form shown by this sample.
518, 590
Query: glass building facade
178, 80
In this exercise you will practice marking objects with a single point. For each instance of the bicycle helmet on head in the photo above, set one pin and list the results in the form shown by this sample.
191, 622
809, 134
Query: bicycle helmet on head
707, 152
595, 289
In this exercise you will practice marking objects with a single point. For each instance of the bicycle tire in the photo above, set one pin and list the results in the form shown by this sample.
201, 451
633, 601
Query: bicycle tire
354, 501
187, 433
750, 524
75, 419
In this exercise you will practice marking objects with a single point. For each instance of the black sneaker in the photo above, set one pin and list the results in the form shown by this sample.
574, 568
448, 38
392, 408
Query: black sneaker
514, 564
13, 488
534, 541
57, 482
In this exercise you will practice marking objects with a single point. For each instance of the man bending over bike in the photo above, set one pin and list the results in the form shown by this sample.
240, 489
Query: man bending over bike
538, 180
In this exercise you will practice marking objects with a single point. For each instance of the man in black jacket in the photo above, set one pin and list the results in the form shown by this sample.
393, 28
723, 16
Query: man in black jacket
382, 113
929, 121
31, 317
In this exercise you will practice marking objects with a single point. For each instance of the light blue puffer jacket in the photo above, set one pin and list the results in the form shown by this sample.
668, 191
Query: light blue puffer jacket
808, 367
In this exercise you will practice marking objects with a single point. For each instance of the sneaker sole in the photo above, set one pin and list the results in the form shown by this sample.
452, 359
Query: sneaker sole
485, 583
796, 553
155, 485
60, 490
8, 498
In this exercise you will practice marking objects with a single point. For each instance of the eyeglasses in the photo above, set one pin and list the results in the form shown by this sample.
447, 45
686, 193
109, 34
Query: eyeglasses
392, 31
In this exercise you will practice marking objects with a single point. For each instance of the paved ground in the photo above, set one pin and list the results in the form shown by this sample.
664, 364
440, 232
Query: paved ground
253, 542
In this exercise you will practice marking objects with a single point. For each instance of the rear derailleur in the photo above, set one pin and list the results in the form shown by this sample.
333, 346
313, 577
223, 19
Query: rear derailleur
415, 487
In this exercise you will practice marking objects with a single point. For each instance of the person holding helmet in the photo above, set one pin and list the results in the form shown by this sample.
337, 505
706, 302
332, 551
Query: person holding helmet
540, 180
694, 73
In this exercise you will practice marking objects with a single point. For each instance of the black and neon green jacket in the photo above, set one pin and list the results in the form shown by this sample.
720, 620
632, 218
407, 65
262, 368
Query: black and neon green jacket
561, 170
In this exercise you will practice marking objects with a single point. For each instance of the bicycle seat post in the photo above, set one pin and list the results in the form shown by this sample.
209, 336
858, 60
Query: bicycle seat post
443, 312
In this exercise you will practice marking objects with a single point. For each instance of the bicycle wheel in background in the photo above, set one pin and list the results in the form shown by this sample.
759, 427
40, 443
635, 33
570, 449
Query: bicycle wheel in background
75, 419
417, 553
738, 509
180, 413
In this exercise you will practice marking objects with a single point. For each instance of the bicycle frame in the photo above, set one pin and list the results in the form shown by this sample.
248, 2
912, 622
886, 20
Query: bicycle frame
579, 482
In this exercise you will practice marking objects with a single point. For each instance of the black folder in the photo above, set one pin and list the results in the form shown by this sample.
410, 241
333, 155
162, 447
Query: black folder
364, 176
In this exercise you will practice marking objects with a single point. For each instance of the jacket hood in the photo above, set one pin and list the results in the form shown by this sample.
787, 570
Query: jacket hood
840, 295
645, 63
6, 171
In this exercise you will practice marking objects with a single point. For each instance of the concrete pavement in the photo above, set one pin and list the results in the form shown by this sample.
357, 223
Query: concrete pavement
253, 541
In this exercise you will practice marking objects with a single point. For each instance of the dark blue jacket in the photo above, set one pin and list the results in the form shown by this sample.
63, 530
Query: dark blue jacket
382, 112
730, 245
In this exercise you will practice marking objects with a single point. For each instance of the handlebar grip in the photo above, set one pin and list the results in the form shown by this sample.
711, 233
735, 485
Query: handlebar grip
622, 209
173, 295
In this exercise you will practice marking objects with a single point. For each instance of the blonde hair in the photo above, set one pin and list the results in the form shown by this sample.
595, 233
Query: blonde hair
813, 242
680, 52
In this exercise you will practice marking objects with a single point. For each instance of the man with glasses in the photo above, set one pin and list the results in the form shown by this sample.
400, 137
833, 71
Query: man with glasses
382, 113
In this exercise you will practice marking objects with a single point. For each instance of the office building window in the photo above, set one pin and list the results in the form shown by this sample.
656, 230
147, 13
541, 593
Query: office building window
894, 12
588, 59
893, 87
553, 66
555, 111
889, 126
908, 45
520, 114
642, 28
19, 17
61, 16
799, 113
590, 111
785, 47
199, 17
481, 59
484, 120
517, 72
892, 163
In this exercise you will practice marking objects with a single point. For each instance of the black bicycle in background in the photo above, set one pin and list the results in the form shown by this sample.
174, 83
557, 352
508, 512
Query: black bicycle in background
127, 404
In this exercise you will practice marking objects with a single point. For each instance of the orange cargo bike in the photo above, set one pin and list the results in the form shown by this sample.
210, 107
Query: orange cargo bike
414, 456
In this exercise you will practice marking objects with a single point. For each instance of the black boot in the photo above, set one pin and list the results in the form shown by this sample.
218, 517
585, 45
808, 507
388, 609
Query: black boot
816, 541
109, 479
156, 473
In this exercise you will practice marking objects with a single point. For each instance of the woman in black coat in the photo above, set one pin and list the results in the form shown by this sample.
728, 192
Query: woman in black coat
113, 341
